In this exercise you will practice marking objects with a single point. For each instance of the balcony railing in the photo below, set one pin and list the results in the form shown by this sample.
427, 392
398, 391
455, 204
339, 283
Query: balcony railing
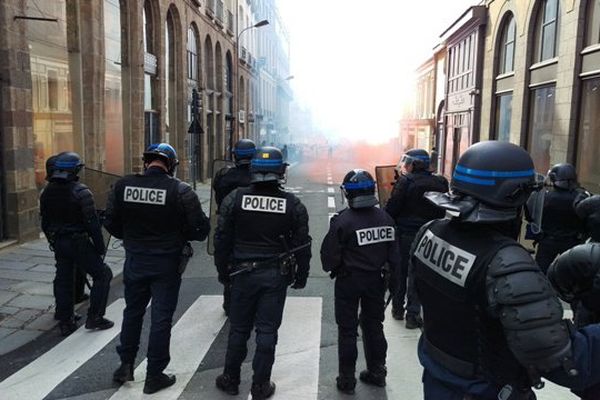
219, 11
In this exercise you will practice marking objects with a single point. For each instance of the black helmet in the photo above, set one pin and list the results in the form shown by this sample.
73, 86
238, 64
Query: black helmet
267, 165
50, 165
243, 151
499, 174
419, 159
359, 188
563, 176
164, 152
66, 165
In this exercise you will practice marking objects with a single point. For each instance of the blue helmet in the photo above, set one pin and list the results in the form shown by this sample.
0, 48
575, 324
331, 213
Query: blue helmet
419, 159
164, 152
64, 165
243, 151
359, 188
267, 165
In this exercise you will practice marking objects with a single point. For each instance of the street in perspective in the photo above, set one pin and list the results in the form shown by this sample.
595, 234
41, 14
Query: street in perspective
311, 200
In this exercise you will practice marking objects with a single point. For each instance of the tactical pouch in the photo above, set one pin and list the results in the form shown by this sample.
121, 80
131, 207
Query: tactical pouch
288, 266
186, 253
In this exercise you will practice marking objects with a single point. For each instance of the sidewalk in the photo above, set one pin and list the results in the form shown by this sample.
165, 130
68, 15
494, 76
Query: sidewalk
26, 275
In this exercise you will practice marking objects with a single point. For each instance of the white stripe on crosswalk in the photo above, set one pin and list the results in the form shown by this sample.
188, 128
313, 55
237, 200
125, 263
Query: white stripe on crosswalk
39, 378
296, 369
330, 202
330, 190
191, 339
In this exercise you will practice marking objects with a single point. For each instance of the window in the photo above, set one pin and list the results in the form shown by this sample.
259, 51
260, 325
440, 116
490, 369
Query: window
192, 54
151, 126
547, 30
588, 163
593, 26
503, 116
540, 126
507, 46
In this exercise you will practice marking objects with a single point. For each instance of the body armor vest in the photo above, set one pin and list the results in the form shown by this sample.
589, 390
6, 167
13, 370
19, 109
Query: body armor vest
262, 216
451, 262
61, 207
230, 180
152, 214
417, 209
559, 219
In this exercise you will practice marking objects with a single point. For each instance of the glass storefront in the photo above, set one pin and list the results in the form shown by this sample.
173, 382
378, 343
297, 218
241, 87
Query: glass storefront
503, 116
588, 163
51, 83
541, 119
113, 106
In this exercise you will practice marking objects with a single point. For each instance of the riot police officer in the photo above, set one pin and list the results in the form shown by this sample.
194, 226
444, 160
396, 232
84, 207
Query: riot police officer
492, 323
156, 215
588, 210
256, 225
71, 225
561, 227
360, 241
226, 180
410, 211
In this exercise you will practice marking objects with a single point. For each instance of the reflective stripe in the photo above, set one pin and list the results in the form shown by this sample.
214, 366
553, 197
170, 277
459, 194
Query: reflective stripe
245, 152
495, 174
359, 185
267, 162
475, 181
66, 164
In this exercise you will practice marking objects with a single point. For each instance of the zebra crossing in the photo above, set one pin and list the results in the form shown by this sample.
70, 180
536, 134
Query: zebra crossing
296, 370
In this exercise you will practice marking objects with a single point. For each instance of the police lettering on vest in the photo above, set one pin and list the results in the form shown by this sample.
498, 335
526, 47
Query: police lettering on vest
449, 261
145, 195
375, 235
264, 204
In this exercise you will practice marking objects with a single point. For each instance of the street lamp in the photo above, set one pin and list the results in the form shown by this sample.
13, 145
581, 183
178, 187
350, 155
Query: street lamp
259, 24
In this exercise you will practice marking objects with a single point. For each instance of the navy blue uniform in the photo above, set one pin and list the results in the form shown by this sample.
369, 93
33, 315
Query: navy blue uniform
251, 223
71, 224
411, 211
359, 243
155, 214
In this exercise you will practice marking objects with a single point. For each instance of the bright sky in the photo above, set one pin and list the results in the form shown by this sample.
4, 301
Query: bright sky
353, 60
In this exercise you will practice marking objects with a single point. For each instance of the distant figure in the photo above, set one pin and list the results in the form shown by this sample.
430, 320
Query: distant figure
433, 163
284, 151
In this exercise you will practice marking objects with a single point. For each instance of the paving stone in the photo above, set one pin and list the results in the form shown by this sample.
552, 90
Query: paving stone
35, 288
41, 244
44, 268
7, 310
49, 260
34, 252
4, 332
26, 276
13, 256
7, 283
6, 296
31, 301
17, 339
15, 265
44, 322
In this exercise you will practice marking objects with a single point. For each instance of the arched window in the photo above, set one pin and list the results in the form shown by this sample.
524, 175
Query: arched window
171, 68
151, 116
192, 53
507, 46
593, 25
547, 30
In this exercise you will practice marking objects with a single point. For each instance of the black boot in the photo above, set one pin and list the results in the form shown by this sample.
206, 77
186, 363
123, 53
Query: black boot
413, 321
124, 373
228, 384
99, 323
346, 384
155, 383
371, 378
67, 327
398, 315
261, 391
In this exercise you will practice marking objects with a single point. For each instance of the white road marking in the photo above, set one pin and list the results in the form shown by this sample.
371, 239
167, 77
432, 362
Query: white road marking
40, 377
331, 202
191, 339
296, 368
329, 182
330, 190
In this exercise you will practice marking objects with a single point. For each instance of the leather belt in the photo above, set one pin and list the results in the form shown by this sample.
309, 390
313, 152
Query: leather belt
455, 365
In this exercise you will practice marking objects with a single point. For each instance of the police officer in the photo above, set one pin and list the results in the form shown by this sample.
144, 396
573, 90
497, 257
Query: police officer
575, 275
561, 227
493, 324
226, 180
71, 225
360, 241
256, 225
156, 215
588, 210
410, 211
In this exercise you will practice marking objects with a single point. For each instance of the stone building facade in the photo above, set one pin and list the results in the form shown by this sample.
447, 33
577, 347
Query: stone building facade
106, 78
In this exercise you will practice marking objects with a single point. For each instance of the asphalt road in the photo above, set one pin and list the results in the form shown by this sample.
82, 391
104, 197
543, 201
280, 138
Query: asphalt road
81, 366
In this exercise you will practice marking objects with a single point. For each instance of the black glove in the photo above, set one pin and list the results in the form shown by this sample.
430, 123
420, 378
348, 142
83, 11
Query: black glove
299, 282
223, 275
